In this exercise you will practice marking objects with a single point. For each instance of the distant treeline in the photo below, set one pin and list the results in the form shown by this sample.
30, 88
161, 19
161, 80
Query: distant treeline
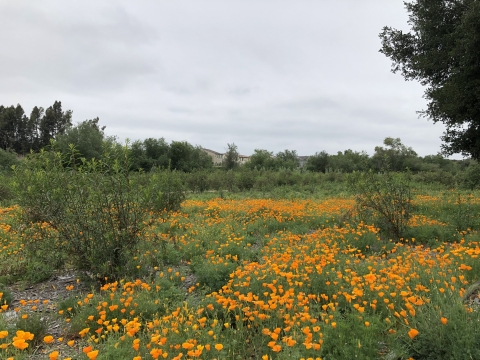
21, 134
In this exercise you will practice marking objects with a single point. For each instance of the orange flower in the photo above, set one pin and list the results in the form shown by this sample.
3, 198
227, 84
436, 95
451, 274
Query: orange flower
20, 344
444, 320
48, 339
25, 335
136, 344
53, 355
412, 333
218, 347
92, 355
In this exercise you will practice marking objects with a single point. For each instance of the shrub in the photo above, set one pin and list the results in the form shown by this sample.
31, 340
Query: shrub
384, 199
97, 208
471, 177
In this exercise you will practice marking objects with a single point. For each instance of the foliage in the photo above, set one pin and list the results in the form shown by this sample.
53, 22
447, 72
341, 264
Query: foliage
441, 51
185, 157
7, 159
22, 134
437, 340
261, 159
295, 280
318, 162
287, 159
384, 199
6, 191
87, 137
98, 210
394, 156
349, 161
230, 158
471, 176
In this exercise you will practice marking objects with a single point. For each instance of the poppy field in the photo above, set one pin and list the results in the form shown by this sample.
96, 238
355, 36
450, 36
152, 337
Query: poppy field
264, 278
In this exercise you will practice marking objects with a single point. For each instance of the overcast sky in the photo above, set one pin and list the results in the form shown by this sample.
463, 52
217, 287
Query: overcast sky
266, 74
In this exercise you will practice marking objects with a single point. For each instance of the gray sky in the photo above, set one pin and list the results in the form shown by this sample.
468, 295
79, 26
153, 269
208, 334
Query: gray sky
267, 74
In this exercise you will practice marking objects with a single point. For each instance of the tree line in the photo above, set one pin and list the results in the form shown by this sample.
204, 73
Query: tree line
53, 127
21, 133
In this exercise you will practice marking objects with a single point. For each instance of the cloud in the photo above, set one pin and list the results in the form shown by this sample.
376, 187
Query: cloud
302, 75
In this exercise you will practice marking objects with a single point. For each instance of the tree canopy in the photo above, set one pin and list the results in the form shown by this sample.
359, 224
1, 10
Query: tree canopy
230, 159
441, 51
22, 134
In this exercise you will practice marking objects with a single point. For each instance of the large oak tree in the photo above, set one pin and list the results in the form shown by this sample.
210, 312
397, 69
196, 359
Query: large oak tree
442, 52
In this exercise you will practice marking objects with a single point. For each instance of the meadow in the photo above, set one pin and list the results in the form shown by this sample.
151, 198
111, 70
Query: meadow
288, 274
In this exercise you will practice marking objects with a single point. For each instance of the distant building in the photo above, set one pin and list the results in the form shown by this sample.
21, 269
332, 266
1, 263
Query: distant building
242, 159
217, 157
302, 161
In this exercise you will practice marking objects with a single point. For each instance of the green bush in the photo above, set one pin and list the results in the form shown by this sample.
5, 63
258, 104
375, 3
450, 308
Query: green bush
471, 177
7, 159
98, 209
6, 192
384, 199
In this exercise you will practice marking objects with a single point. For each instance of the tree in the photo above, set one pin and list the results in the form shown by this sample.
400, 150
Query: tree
54, 122
441, 51
261, 159
318, 162
87, 137
287, 159
186, 157
395, 156
230, 159
348, 161
33, 126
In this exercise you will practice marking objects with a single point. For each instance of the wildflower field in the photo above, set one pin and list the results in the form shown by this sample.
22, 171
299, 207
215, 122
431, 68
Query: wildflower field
256, 278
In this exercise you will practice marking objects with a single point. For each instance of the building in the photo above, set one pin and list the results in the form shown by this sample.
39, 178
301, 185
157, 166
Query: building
218, 157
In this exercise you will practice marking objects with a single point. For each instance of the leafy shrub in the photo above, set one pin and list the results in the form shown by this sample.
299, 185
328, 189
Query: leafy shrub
246, 178
170, 190
6, 189
197, 181
7, 159
439, 177
471, 177
98, 209
384, 199
264, 181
